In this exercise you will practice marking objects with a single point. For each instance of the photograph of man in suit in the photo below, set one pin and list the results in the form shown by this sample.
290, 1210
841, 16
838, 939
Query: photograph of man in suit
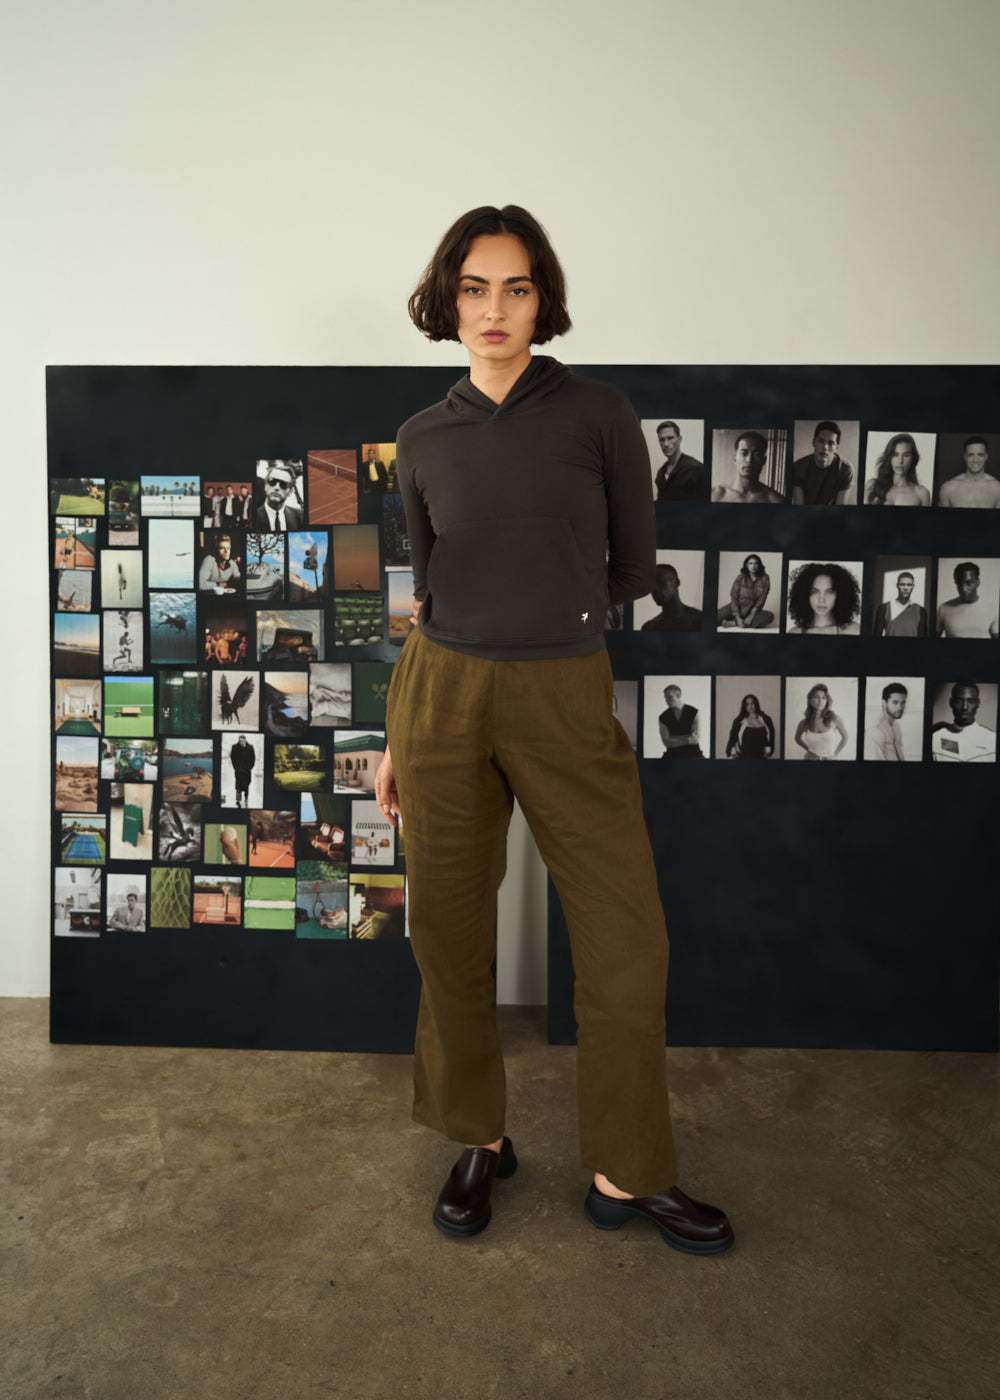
274, 514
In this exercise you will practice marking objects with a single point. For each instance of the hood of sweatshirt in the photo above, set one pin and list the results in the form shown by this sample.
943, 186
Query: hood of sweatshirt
542, 377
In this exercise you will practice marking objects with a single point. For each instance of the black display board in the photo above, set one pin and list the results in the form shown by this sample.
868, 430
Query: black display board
840, 904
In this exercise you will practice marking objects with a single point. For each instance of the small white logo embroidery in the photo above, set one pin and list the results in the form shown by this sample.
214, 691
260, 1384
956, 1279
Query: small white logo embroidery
584, 616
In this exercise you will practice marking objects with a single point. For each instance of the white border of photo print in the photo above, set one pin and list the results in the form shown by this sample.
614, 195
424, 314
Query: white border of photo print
948, 596
695, 690
851, 628
911, 722
878, 441
843, 692
731, 563
689, 565
692, 431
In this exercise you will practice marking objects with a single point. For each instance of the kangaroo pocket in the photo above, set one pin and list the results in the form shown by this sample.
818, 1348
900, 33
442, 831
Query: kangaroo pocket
512, 580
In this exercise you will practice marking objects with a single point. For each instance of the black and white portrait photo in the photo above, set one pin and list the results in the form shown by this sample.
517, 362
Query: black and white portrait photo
900, 595
747, 717
824, 598
625, 703
241, 770
749, 591
968, 594
675, 603
964, 722
277, 496
126, 904
899, 469
677, 717
821, 718
893, 719
967, 471
748, 465
676, 456
824, 462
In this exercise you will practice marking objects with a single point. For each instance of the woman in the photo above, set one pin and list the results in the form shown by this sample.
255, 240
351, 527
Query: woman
752, 732
529, 510
825, 600
748, 596
895, 480
680, 727
821, 733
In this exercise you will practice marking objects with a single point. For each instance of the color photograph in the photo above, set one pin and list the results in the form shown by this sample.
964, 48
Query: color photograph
76, 774
321, 900
270, 902
333, 486
83, 838
220, 560
74, 590
128, 707
371, 689
183, 698
170, 897
170, 554
265, 571
355, 559
285, 704
122, 578
76, 902
271, 835
378, 467
225, 843
298, 767
76, 495
173, 628
226, 637
395, 537
356, 757
376, 909
123, 513
401, 604
217, 899
130, 760
322, 827
188, 770
76, 542
77, 707
76, 644
307, 566
131, 828
170, 496
372, 837
357, 619
291, 635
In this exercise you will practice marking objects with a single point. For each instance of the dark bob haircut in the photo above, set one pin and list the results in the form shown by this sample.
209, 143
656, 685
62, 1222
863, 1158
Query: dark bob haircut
848, 601
433, 307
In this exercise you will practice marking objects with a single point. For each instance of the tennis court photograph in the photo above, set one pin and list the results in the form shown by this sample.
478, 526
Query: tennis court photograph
333, 486
83, 838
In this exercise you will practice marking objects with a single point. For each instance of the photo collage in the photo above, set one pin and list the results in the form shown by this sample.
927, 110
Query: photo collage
221, 657
938, 705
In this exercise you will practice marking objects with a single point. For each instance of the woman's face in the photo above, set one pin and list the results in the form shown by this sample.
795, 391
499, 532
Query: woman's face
817, 699
497, 300
750, 705
753, 565
902, 457
822, 596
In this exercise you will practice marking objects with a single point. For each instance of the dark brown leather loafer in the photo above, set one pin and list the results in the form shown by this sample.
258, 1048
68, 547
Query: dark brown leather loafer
690, 1226
463, 1207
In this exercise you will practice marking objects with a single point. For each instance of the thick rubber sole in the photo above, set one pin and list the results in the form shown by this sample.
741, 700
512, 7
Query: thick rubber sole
612, 1215
506, 1168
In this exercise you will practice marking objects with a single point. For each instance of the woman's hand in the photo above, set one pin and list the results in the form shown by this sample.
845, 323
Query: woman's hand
386, 794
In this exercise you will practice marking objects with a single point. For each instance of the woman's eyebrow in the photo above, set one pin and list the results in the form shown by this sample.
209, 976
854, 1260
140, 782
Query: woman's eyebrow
471, 277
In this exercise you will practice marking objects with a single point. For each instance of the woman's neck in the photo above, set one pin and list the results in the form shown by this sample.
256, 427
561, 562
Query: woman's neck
496, 378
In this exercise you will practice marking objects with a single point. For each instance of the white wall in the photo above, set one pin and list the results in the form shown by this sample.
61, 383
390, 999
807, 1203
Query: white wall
252, 183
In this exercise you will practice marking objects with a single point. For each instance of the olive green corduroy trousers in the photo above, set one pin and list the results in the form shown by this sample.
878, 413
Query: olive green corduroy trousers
467, 736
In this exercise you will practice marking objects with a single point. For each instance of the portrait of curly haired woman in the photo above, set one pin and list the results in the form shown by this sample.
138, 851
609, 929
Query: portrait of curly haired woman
824, 598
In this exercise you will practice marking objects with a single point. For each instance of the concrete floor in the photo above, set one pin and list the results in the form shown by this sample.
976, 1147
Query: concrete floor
203, 1224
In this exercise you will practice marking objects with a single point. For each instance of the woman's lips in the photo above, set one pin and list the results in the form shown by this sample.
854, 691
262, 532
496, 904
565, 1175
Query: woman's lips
495, 336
